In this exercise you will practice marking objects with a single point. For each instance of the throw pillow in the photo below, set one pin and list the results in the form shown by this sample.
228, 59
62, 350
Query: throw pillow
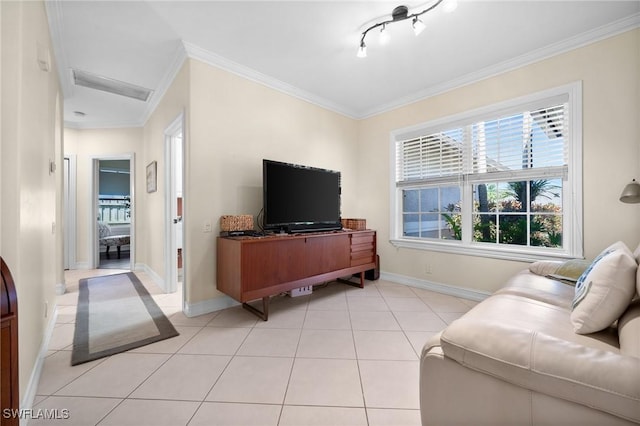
604, 290
545, 267
568, 271
636, 254
571, 270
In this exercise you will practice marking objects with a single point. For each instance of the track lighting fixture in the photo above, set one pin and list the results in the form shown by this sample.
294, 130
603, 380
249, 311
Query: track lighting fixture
401, 13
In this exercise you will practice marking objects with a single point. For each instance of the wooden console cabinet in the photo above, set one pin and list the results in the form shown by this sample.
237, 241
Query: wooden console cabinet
252, 268
9, 385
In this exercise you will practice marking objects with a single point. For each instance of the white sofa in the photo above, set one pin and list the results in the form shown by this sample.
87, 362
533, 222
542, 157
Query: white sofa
515, 359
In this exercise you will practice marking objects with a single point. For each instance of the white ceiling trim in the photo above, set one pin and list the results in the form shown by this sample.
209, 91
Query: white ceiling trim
103, 125
213, 59
179, 57
189, 50
54, 16
593, 36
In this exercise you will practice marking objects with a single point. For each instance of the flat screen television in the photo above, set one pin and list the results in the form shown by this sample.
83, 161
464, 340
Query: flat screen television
300, 198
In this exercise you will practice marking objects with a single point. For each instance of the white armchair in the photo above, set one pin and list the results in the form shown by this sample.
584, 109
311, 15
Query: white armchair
107, 240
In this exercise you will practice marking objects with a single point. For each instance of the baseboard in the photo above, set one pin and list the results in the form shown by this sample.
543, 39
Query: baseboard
34, 379
208, 306
223, 302
157, 279
80, 265
61, 289
465, 293
191, 309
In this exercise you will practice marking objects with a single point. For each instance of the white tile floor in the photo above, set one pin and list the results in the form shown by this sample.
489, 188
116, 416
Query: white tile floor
340, 356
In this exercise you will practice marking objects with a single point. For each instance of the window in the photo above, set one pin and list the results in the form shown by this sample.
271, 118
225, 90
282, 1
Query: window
502, 181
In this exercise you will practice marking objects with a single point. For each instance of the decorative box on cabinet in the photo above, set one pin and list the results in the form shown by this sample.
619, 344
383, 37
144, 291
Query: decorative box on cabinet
252, 268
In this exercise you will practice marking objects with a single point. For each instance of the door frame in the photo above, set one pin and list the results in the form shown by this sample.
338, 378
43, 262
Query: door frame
69, 211
94, 246
171, 266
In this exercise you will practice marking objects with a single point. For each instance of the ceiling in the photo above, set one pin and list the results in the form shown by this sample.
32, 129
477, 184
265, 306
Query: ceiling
308, 48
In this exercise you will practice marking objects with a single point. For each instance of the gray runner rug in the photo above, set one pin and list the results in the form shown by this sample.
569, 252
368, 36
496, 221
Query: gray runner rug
115, 314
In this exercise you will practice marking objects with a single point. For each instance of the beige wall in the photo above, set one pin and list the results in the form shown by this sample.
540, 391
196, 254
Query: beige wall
610, 72
234, 124
151, 215
231, 125
31, 196
88, 145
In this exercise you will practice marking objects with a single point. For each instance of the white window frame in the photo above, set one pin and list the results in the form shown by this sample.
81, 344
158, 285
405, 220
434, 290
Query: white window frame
571, 193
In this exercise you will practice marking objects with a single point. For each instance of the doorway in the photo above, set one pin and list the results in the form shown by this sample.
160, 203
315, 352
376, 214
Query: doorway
112, 233
175, 210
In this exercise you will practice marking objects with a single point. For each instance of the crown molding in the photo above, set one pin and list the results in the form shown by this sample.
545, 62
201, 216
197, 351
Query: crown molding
179, 57
54, 14
90, 125
213, 59
610, 30
188, 50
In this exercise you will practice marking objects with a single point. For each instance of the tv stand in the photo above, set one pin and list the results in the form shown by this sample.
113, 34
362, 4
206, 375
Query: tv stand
252, 268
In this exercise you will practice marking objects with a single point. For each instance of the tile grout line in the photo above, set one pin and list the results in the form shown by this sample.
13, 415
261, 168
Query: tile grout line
293, 363
355, 350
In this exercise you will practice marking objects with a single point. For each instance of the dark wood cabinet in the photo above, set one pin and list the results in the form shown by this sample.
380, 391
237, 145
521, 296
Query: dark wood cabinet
252, 268
9, 391
326, 254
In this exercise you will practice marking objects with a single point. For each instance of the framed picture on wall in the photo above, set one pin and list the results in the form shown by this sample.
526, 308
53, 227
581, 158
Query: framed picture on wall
152, 177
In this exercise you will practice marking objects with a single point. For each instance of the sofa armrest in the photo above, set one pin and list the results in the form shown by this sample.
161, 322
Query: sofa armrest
596, 378
432, 342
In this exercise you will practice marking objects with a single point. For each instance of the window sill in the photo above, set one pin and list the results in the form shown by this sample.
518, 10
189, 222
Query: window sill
484, 250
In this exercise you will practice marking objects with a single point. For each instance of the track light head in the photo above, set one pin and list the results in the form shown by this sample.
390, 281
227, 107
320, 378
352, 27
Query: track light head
418, 26
362, 50
384, 35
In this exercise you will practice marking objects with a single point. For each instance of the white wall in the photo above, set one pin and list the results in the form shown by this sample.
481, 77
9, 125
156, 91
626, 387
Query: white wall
30, 220
610, 72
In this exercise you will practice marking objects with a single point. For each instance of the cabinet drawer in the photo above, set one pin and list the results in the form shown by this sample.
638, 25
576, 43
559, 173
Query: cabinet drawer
364, 254
364, 238
362, 247
361, 261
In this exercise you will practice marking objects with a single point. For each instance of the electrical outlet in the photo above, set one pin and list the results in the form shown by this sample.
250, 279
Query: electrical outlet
206, 227
427, 269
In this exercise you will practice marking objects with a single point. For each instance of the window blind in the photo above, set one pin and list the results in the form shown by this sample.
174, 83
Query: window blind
531, 139
430, 157
528, 142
